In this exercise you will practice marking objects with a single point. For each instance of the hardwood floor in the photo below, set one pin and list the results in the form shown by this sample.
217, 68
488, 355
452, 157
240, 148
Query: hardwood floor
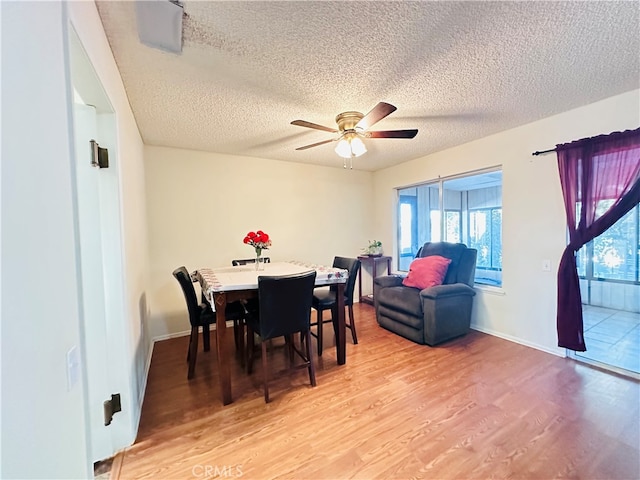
476, 407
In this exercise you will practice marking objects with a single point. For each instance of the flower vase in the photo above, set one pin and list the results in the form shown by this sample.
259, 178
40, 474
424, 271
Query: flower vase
259, 264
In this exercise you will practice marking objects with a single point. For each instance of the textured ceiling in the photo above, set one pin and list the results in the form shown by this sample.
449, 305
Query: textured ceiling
457, 71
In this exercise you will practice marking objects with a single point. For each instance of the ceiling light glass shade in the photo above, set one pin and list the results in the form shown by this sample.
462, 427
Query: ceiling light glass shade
350, 146
357, 147
343, 149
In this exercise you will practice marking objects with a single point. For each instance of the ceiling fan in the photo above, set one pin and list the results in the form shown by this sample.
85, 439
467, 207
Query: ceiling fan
352, 127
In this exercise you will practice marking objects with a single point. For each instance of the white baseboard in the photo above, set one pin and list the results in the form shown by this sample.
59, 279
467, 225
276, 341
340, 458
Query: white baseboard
184, 333
557, 352
167, 336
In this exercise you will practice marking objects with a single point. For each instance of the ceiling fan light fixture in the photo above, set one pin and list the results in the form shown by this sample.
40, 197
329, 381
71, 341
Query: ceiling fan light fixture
350, 145
352, 126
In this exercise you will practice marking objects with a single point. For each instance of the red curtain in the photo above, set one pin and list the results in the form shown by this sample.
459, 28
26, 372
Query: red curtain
606, 167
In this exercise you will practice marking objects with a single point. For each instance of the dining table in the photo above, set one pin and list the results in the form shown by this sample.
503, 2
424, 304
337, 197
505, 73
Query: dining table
223, 285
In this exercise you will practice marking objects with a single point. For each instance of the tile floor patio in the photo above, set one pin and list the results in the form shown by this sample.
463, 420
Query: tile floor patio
612, 337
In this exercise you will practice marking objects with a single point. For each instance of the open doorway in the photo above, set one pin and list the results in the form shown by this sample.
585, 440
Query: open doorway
97, 201
609, 271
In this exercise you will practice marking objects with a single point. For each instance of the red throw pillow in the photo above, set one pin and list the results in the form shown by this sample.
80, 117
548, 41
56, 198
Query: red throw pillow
427, 272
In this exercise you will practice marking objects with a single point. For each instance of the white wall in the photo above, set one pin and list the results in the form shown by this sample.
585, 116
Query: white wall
40, 319
201, 205
44, 426
533, 212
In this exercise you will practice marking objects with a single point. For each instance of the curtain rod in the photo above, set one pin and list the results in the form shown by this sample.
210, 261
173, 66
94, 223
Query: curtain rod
620, 134
544, 151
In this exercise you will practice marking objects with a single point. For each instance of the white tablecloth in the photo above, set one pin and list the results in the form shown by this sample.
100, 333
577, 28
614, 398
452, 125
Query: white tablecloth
245, 277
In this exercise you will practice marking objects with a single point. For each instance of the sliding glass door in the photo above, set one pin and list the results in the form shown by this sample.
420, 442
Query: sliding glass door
609, 272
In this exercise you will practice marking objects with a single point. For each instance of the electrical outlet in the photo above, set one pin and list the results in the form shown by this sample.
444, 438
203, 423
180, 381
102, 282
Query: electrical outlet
546, 265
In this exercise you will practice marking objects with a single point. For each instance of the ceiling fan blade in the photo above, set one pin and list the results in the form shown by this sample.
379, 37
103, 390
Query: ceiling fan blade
378, 112
303, 123
316, 144
391, 133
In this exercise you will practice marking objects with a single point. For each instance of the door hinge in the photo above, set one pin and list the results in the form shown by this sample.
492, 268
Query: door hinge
99, 155
111, 406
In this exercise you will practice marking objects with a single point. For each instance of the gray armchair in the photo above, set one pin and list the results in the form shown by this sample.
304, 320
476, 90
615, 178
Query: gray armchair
436, 314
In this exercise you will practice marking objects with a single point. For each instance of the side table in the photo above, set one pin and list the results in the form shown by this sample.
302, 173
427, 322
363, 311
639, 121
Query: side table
373, 260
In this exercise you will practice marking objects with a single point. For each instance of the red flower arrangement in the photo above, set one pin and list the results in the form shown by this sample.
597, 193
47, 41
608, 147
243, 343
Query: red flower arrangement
258, 240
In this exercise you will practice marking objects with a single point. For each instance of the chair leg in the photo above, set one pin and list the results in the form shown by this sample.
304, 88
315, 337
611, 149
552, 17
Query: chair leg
193, 352
312, 368
352, 326
235, 333
206, 338
319, 333
289, 341
265, 371
238, 335
250, 348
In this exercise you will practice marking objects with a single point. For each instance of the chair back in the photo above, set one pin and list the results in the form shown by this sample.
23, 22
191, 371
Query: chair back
462, 268
184, 279
244, 261
353, 266
285, 303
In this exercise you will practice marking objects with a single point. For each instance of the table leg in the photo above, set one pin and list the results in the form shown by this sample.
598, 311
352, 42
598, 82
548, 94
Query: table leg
374, 270
221, 350
341, 342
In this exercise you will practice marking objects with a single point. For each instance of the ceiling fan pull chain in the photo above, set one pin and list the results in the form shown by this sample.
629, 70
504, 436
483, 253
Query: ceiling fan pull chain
344, 163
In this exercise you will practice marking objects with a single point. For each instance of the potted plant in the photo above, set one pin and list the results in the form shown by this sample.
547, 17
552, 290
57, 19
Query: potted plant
374, 249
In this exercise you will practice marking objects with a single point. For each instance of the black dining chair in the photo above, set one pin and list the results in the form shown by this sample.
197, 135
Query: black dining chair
245, 261
326, 299
284, 310
202, 316
251, 304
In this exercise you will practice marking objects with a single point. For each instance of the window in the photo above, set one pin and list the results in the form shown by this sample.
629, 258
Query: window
466, 209
614, 255
453, 225
408, 231
485, 226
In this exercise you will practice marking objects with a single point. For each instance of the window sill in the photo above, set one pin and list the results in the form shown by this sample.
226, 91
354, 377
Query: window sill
490, 289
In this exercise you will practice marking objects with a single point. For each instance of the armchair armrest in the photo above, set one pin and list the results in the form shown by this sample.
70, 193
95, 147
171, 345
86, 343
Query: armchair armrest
441, 291
384, 281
